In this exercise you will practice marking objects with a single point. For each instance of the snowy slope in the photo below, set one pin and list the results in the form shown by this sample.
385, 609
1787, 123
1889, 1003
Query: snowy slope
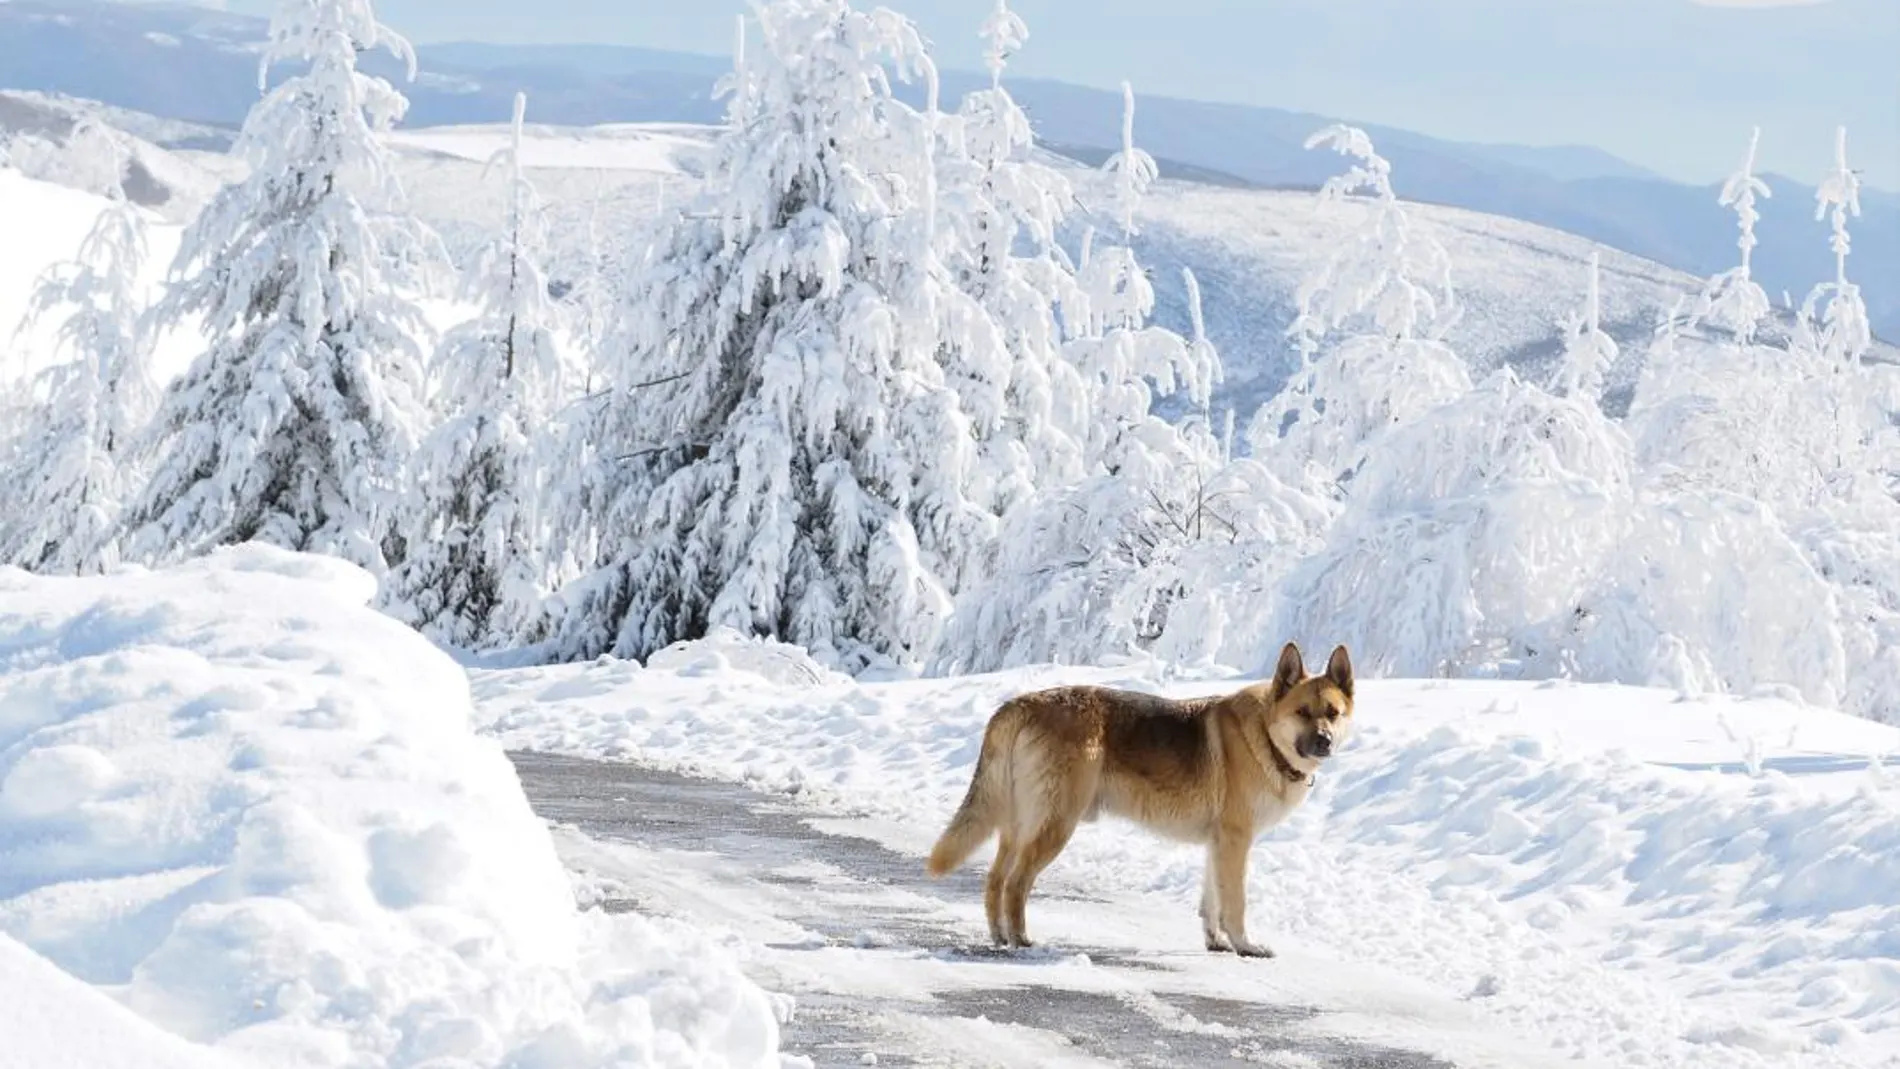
254, 811
1637, 878
44, 224
1248, 247
661, 147
53, 1021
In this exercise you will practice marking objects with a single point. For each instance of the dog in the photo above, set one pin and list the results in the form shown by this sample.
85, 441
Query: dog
1215, 771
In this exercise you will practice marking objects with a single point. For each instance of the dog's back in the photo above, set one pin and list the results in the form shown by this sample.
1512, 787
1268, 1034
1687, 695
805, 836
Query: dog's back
1067, 753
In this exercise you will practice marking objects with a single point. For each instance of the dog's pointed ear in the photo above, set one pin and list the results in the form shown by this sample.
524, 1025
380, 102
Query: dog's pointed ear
1339, 670
1290, 671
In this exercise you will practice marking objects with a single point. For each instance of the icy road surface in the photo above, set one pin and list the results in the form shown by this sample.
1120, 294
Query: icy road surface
887, 967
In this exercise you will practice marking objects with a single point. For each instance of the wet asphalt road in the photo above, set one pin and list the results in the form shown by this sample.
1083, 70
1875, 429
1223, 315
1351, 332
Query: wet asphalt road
759, 837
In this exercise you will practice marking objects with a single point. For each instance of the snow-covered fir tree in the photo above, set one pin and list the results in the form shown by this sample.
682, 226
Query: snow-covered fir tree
472, 517
1380, 306
77, 453
1733, 301
296, 424
781, 452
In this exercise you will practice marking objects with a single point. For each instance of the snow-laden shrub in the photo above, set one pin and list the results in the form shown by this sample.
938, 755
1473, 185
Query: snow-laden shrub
1510, 533
1471, 536
1115, 567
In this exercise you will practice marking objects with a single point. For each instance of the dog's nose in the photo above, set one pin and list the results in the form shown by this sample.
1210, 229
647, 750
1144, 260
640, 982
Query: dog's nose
1323, 746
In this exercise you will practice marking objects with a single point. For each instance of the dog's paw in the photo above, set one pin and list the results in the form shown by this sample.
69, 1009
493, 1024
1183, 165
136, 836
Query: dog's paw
1215, 943
1248, 949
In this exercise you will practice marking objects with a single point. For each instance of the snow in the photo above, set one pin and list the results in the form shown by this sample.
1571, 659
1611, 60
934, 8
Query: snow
44, 224
1641, 878
53, 1021
254, 812
663, 148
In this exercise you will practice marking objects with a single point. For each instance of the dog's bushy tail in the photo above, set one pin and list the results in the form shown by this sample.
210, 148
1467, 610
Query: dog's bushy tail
981, 810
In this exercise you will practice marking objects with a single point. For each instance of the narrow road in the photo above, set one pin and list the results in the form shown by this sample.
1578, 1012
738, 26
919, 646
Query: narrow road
885, 967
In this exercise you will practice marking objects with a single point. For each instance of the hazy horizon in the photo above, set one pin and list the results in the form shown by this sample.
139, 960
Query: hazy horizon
1674, 86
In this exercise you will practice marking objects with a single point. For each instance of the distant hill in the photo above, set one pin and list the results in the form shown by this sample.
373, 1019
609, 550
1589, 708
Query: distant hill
199, 64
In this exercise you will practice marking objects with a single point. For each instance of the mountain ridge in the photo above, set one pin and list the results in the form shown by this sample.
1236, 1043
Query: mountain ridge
183, 62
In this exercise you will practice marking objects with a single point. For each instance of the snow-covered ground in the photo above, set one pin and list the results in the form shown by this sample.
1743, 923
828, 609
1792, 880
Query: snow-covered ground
52, 1020
1637, 878
673, 148
255, 813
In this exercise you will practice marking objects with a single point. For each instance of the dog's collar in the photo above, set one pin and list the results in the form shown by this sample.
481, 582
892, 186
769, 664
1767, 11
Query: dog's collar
1285, 766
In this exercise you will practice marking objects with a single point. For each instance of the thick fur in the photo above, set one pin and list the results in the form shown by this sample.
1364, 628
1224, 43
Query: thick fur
1213, 770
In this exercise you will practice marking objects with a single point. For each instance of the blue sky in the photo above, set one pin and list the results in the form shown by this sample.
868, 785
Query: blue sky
1673, 85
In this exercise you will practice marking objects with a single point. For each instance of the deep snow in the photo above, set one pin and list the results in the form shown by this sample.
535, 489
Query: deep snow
1635, 877
254, 811
51, 1020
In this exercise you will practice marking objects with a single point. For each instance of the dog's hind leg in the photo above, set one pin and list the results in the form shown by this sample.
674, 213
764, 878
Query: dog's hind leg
996, 882
1034, 856
1210, 906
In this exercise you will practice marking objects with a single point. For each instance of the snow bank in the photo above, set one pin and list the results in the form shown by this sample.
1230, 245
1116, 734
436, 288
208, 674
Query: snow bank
53, 1021
1639, 878
254, 810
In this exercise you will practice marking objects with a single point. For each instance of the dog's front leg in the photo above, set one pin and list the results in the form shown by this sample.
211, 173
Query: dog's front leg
1231, 844
1210, 905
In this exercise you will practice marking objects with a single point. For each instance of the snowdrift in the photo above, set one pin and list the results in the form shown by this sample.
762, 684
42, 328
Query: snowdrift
255, 811
1641, 878
53, 1021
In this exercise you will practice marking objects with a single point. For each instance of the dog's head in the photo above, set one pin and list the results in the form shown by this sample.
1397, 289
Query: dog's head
1309, 717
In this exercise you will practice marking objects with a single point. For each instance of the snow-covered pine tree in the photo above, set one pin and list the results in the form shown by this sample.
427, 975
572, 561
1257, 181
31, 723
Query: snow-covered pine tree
295, 426
1589, 353
781, 452
1733, 301
474, 570
77, 456
1386, 295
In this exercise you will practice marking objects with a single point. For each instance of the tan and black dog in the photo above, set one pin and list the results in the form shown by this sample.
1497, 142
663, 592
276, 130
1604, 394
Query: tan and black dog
1210, 770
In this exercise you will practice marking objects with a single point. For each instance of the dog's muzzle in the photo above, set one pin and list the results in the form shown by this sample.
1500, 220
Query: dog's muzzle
1316, 745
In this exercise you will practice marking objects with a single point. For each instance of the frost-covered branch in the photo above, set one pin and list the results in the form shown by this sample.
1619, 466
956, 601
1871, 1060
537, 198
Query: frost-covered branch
1733, 300
1589, 353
